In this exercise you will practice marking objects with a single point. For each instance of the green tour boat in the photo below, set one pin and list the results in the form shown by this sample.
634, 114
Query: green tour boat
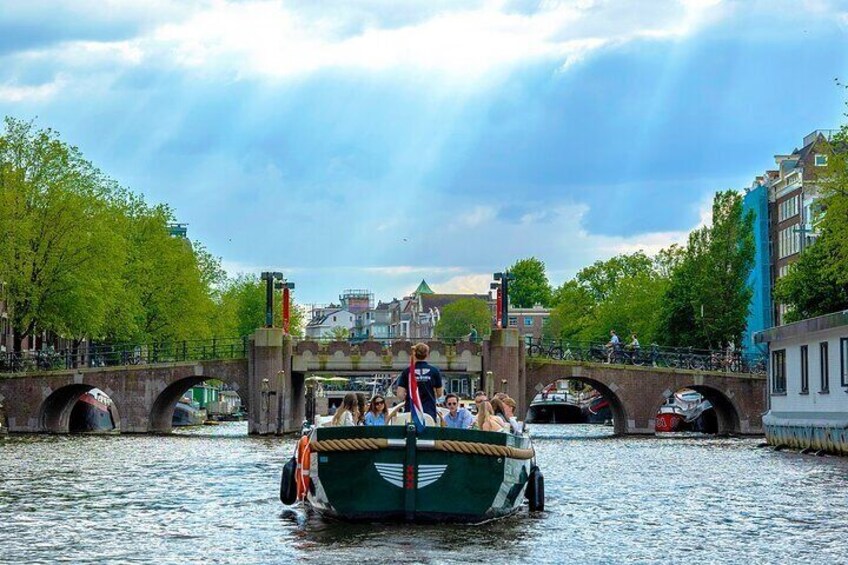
395, 473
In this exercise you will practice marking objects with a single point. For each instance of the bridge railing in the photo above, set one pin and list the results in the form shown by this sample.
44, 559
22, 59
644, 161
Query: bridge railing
650, 355
110, 355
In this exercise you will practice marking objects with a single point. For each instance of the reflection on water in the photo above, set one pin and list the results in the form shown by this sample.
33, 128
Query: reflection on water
211, 494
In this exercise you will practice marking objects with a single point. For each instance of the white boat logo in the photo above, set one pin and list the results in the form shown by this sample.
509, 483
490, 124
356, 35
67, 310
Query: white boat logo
393, 473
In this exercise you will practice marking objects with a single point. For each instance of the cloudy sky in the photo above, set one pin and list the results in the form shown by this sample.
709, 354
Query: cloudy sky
371, 144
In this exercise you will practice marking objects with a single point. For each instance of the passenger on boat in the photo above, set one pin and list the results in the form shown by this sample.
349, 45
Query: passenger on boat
486, 419
498, 408
347, 414
378, 413
479, 397
456, 417
429, 380
361, 401
509, 407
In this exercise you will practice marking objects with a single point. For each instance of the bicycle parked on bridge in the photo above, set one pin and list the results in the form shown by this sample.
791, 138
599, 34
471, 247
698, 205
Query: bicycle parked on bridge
552, 350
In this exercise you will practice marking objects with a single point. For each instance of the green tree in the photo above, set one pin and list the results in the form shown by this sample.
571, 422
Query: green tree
531, 285
456, 318
707, 300
166, 291
622, 293
601, 278
240, 308
573, 312
337, 333
632, 306
811, 288
59, 243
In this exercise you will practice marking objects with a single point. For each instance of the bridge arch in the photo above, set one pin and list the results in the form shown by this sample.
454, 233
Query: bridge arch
54, 414
162, 410
617, 404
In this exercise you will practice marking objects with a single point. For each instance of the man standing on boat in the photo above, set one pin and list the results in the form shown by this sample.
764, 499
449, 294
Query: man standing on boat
429, 381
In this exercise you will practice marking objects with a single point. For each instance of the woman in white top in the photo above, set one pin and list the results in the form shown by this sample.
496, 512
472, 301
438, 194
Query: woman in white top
348, 413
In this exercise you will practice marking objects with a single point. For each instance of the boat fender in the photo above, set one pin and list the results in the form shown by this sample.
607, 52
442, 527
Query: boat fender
288, 484
302, 470
535, 492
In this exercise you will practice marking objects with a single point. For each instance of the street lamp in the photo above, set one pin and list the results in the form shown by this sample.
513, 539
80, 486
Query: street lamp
270, 277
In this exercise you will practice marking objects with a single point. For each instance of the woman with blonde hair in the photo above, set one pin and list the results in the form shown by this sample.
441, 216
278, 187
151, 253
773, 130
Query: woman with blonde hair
486, 420
348, 413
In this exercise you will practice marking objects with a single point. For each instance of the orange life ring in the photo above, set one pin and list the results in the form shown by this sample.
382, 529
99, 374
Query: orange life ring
303, 456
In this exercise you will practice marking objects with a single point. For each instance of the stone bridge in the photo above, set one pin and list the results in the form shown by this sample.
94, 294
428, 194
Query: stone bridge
143, 397
271, 383
635, 394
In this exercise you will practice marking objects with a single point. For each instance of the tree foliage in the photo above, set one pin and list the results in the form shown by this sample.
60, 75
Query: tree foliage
697, 295
811, 287
708, 297
59, 245
84, 258
241, 308
621, 293
530, 286
456, 318
602, 277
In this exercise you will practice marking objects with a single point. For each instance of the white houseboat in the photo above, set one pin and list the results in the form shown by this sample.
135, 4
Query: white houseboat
808, 384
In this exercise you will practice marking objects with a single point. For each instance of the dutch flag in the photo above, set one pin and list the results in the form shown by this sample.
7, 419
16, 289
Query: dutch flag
415, 408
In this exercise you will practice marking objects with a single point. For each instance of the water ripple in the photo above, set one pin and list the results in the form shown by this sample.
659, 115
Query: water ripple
211, 494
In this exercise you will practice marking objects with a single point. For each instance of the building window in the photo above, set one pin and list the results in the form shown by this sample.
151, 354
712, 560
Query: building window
778, 371
825, 378
788, 242
821, 160
805, 371
843, 360
513, 321
789, 208
528, 321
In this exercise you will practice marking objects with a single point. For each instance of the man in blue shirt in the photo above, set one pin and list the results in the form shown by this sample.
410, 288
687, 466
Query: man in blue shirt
429, 381
459, 418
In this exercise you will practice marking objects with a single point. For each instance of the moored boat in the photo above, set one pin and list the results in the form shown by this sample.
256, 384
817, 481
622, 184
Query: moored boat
685, 410
187, 413
394, 473
92, 413
555, 405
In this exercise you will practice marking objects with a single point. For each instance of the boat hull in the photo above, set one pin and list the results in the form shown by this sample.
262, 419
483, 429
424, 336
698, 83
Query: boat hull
555, 413
90, 415
410, 480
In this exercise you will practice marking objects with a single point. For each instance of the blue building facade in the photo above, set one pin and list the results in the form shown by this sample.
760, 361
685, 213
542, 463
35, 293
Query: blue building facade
759, 280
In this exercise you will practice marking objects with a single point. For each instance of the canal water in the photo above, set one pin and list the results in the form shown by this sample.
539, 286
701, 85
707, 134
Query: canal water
211, 496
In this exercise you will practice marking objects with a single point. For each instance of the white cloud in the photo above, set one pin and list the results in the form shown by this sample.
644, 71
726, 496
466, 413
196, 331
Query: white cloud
278, 40
404, 270
269, 38
11, 92
478, 215
474, 283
